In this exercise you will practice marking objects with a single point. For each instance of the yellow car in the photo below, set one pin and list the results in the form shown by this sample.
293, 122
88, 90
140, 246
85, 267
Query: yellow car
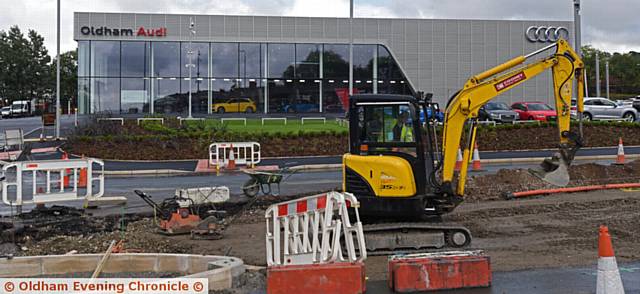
235, 105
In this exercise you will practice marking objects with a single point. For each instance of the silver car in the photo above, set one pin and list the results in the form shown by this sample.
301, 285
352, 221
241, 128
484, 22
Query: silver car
596, 108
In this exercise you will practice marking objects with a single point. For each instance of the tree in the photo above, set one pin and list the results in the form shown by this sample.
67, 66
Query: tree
624, 72
68, 78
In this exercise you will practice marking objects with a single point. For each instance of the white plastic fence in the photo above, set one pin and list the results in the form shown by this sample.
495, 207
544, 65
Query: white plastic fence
515, 122
283, 119
314, 231
228, 119
245, 153
44, 189
161, 120
616, 119
323, 119
111, 119
487, 122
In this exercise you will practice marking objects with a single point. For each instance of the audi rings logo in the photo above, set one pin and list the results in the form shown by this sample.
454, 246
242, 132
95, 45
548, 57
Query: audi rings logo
546, 34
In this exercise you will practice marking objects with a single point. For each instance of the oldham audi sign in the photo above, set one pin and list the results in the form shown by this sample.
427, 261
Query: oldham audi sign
118, 32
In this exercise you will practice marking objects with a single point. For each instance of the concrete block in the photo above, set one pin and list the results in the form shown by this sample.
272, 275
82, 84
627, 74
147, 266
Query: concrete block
129, 263
317, 278
172, 263
104, 201
69, 264
20, 267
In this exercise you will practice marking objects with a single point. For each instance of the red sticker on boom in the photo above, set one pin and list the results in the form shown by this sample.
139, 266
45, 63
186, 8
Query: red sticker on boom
510, 81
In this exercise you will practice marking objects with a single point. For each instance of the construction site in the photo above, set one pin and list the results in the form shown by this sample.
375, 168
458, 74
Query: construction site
397, 191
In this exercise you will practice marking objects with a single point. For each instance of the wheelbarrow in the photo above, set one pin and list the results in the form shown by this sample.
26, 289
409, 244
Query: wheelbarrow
262, 181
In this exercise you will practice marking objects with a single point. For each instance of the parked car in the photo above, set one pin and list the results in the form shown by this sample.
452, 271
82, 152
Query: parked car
497, 111
596, 108
5, 111
301, 107
535, 111
22, 108
235, 105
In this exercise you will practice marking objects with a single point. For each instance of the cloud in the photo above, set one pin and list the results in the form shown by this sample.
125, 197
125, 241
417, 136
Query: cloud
610, 25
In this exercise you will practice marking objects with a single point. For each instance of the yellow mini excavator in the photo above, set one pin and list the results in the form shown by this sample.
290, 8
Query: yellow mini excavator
397, 173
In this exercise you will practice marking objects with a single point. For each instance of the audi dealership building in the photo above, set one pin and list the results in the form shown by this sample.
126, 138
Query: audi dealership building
137, 63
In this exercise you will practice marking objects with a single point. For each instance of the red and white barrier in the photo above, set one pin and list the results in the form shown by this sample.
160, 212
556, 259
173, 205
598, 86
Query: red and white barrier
244, 153
308, 231
51, 181
312, 247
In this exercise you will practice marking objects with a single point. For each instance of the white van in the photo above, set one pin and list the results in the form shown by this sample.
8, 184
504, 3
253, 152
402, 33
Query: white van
21, 108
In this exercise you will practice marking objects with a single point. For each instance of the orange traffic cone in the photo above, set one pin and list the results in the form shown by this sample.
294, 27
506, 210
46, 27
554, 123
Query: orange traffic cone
66, 172
476, 166
82, 177
232, 159
459, 160
620, 159
608, 280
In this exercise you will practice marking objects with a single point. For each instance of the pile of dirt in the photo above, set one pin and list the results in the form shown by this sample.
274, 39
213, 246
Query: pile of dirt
505, 181
139, 236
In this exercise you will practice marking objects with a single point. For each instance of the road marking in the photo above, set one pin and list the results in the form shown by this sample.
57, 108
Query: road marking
630, 190
32, 131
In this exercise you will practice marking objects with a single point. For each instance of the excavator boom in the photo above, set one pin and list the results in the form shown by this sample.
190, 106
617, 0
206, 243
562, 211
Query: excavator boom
462, 111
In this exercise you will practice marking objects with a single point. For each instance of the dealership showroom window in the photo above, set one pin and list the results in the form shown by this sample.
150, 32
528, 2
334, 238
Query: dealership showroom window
137, 77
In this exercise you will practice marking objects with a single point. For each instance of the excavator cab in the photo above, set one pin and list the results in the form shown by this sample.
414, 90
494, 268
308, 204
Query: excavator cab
386, 167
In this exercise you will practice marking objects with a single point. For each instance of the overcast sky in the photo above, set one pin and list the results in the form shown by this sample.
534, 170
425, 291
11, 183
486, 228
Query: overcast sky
612, 25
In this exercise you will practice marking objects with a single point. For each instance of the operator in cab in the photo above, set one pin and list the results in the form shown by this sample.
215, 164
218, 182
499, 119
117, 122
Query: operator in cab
403, 130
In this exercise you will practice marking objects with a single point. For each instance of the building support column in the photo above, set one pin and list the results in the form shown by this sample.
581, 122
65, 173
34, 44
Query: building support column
375, 70
321, 105
152, 79
266, 79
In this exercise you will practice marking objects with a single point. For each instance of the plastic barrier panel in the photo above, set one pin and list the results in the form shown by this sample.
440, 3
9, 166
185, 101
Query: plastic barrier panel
314, 230
51, 181
245, 153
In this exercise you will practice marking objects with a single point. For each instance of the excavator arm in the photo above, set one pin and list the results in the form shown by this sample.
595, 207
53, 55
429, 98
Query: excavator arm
462, 111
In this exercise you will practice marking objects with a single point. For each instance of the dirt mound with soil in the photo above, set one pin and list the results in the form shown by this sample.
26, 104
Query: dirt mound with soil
505, 181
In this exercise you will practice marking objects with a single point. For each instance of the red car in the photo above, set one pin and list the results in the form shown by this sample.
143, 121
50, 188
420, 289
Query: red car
534, 111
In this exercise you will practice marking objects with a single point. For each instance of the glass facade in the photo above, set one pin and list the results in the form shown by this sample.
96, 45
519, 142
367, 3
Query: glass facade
137, 77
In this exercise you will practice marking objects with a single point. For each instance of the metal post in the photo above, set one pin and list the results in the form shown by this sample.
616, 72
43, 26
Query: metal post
577, 35
350, 47
190, 54
69, 101
577, 27
598, 75
606, 73
58, 75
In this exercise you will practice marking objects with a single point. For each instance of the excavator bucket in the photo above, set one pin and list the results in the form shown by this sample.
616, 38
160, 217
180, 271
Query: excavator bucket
554, 171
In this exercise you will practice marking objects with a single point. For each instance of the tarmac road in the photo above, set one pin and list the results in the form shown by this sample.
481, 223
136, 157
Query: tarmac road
543, 281
161, 187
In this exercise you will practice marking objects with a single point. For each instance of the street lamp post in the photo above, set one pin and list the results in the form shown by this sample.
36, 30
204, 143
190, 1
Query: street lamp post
606, 73
57, 74
598, 75
350, 47
190, 55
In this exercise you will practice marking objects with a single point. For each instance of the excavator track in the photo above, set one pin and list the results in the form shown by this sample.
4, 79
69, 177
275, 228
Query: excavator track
414, 237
